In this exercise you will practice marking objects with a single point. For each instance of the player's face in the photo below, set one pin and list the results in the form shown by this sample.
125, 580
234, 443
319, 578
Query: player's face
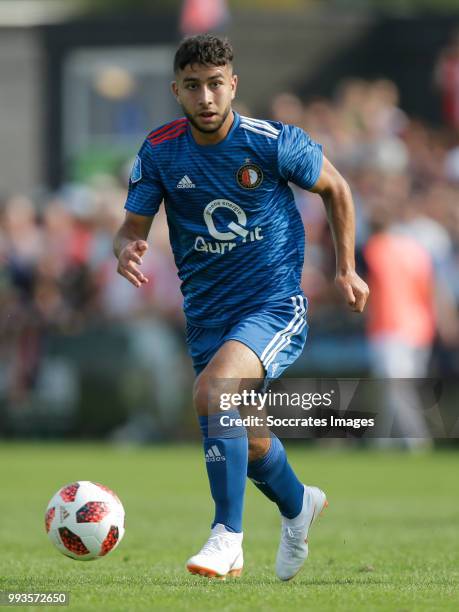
205, 94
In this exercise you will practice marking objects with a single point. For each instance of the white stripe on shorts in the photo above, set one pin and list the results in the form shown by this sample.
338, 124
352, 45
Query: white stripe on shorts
287, 339
283, 335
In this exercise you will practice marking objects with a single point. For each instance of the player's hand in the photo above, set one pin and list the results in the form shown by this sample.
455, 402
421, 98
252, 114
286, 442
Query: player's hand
354, 289
128, 260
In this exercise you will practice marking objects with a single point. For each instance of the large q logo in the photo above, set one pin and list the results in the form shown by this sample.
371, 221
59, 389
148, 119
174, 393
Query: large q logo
237, 228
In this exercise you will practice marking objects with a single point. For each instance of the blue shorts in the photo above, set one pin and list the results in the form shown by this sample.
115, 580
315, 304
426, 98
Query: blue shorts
276, 333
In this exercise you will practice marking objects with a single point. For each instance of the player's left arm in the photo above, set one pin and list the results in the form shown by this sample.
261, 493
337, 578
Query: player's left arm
337, 198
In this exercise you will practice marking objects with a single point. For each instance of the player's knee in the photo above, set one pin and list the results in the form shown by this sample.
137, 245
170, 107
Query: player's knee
201, 395
207, 389
258, 447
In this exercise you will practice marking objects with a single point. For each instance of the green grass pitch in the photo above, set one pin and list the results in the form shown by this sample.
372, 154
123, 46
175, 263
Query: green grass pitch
388, 541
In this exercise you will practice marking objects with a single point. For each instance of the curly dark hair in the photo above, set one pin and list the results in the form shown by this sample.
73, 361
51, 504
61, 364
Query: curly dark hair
205, 49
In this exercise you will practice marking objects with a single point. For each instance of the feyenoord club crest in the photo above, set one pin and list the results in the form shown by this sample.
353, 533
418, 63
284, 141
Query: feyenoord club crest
249, 176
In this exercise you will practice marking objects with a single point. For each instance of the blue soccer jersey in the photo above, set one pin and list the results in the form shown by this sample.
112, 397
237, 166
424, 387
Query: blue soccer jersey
235, 231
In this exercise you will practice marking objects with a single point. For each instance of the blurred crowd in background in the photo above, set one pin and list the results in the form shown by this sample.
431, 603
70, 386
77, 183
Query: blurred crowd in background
58, 273
404, 177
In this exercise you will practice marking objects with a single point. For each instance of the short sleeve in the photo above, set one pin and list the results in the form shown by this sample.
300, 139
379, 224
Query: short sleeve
146, 191
299, 158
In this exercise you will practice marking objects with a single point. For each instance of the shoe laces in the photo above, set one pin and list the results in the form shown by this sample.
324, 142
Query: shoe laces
216, 543
292, 533
292, 538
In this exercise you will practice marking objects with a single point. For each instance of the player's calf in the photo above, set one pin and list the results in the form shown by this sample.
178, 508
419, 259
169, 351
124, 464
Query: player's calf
258, 447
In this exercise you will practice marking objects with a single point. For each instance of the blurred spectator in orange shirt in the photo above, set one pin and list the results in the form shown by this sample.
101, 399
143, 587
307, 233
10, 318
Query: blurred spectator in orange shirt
401, 323
401, 280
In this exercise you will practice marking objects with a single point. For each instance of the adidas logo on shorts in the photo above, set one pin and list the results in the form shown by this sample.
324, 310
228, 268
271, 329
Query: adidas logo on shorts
213, 454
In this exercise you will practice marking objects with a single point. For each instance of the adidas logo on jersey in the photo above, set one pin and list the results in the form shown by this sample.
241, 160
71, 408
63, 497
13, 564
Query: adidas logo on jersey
185, 183
213, 454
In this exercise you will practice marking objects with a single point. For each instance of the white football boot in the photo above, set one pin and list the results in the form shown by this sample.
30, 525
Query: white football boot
293, 547
220, 556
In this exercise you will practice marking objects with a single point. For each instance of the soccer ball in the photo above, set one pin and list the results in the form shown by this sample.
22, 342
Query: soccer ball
85, 520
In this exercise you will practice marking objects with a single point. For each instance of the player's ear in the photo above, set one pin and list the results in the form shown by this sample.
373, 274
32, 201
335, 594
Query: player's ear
174, 89
233, 86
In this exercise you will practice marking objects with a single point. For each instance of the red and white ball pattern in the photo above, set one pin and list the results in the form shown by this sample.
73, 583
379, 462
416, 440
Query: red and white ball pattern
85, 520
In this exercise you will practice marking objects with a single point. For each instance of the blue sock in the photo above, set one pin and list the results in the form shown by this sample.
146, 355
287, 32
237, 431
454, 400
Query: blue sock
226, 453
275, 478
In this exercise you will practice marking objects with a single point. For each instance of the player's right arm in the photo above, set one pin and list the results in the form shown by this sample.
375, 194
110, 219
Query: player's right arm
130, 244
145, 195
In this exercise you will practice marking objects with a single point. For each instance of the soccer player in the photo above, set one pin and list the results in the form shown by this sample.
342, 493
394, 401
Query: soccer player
238, 242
